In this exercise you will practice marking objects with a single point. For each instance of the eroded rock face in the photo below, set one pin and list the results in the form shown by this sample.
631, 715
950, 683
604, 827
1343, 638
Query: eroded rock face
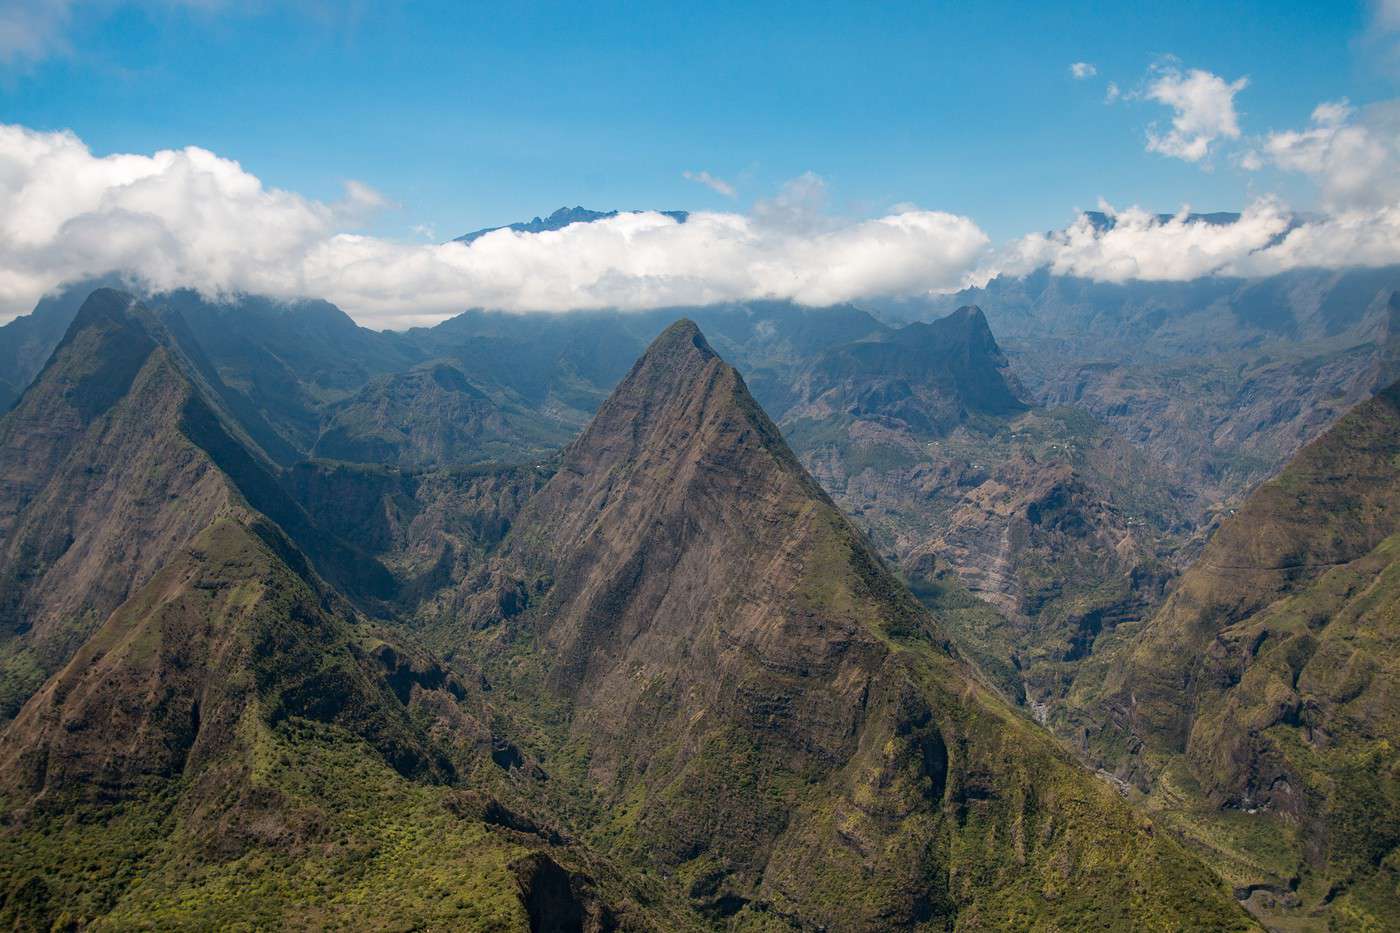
1272, 671
159, 691
431, 528
558, 901
353, 682
922, 437
100, 487
767, 711
1334, 504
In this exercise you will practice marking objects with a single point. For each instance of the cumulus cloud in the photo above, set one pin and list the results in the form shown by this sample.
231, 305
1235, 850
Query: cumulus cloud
717, 185
1081, 70
1354, 157
1138, 244
1363, 237
1204, 111
1266, 239
191, 218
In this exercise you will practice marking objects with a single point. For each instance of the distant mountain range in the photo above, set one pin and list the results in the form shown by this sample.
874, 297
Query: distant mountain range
1104, 221
560, 219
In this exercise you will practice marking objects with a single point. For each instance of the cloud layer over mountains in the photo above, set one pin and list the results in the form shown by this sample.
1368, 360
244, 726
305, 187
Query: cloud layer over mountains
192, 218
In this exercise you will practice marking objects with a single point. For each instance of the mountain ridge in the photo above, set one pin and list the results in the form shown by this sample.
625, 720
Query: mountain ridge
560, 219
681, 569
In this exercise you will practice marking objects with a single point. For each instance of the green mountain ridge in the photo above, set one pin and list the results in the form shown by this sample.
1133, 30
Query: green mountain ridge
811, 753
224, 734
1258, 706
239, 740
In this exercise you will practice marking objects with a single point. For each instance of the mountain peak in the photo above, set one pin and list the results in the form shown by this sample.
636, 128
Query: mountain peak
103, 304
679, 404
680, 339
730, 651
560, 219
969, 313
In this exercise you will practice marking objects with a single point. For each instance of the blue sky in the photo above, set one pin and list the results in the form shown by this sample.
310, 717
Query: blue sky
466, 115
833, 152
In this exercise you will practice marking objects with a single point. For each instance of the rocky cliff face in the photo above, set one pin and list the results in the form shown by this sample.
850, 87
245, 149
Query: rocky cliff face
1064, 527
760, 707
1270, 676
924, 378
100, 485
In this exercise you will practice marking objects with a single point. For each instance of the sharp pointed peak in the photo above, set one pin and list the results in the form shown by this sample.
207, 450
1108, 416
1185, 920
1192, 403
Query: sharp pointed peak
108, 312
683, 334
103, 304
677, 356
969, 312
680, 387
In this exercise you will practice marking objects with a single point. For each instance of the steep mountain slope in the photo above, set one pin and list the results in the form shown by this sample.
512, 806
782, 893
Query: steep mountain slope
113, 459
232, 748
729, 686
927, 378
1069, 518
27, 341
289, 360
223, 736
431, 528
98, 488
564, 365
1271, 677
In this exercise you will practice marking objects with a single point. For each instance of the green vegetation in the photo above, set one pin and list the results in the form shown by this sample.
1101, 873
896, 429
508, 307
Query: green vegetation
346, 843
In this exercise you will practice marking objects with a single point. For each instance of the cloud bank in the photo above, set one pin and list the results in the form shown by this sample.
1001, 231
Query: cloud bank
190, 218
1141, 245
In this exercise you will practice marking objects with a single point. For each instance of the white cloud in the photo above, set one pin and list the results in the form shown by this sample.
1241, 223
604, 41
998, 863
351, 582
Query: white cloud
1265, 240
1354, 157
190, 218
799, 205
1140, 245
1204, 106
1362, 237
718, 185
1081, 70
